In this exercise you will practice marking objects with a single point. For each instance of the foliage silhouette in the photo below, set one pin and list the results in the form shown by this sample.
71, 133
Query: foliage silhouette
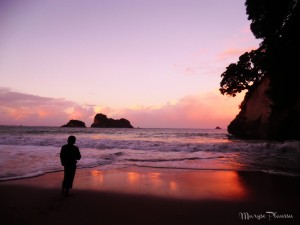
276, 23
243, 74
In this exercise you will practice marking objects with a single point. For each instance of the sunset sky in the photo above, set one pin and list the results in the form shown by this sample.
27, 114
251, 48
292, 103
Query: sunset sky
155, 62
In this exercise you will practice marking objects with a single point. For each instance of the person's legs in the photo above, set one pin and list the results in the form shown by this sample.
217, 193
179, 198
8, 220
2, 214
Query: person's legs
72, 175
64, 182
69, 177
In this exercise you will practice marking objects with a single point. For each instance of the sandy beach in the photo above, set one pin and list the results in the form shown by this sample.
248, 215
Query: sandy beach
137, 195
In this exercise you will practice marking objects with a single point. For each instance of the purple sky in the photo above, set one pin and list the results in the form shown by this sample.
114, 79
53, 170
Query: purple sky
144, 59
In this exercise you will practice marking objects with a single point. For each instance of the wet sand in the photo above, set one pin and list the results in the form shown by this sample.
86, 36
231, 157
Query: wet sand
153, 196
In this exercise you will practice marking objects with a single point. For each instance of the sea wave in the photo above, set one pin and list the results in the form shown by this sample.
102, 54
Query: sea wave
29, 151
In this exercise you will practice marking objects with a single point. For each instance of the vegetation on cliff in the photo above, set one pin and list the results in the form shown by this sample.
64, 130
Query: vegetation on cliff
277, 24
273, 113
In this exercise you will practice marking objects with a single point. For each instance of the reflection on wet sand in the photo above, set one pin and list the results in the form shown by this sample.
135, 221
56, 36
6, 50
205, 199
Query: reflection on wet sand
168, 183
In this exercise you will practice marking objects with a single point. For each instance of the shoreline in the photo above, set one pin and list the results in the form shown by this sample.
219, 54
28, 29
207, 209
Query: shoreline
137, 195
39, 174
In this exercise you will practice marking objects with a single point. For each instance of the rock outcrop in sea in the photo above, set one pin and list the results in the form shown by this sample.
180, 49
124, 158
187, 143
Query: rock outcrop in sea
74, 123
101, 120
259, 119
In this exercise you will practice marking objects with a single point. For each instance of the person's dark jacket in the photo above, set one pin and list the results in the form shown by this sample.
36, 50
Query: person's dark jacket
69, 155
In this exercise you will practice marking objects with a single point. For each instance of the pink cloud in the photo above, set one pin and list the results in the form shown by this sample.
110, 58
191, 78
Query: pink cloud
25, 109
197, 63
204, 110
234, 52
189, 71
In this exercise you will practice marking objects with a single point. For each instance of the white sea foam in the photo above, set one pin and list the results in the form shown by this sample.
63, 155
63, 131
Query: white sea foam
31, 151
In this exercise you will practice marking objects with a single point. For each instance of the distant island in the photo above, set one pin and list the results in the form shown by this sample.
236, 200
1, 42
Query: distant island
101, 121
74, 123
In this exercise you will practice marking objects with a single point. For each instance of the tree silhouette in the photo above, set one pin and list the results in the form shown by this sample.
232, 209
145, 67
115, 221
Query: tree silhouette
276, 23
243, 74
267, 17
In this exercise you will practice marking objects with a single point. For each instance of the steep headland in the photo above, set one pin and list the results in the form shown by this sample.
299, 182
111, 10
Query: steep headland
270, 73
260, 119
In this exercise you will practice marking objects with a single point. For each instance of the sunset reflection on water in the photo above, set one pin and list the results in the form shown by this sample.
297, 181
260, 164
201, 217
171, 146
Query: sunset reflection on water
167, 183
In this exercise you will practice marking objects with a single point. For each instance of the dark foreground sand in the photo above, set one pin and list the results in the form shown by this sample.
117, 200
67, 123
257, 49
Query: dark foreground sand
152, 196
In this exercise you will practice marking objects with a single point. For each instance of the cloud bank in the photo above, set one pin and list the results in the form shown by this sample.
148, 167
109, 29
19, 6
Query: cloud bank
203, 110
31, 110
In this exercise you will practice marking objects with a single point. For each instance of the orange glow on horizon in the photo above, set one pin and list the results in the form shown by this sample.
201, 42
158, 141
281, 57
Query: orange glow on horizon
42, 113
201, 110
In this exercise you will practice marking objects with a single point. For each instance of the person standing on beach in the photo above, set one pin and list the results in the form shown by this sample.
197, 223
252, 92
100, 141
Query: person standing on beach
69, 155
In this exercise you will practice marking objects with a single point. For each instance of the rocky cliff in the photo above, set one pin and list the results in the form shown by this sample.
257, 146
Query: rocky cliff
102, 121
260, 119
74, 123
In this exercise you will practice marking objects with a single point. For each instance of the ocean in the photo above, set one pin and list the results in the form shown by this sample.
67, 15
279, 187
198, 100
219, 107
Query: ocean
33, 151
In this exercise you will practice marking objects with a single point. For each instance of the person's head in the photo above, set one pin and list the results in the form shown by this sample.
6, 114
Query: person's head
71, 140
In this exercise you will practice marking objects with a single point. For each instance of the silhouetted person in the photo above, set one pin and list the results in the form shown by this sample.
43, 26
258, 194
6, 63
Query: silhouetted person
69, 155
